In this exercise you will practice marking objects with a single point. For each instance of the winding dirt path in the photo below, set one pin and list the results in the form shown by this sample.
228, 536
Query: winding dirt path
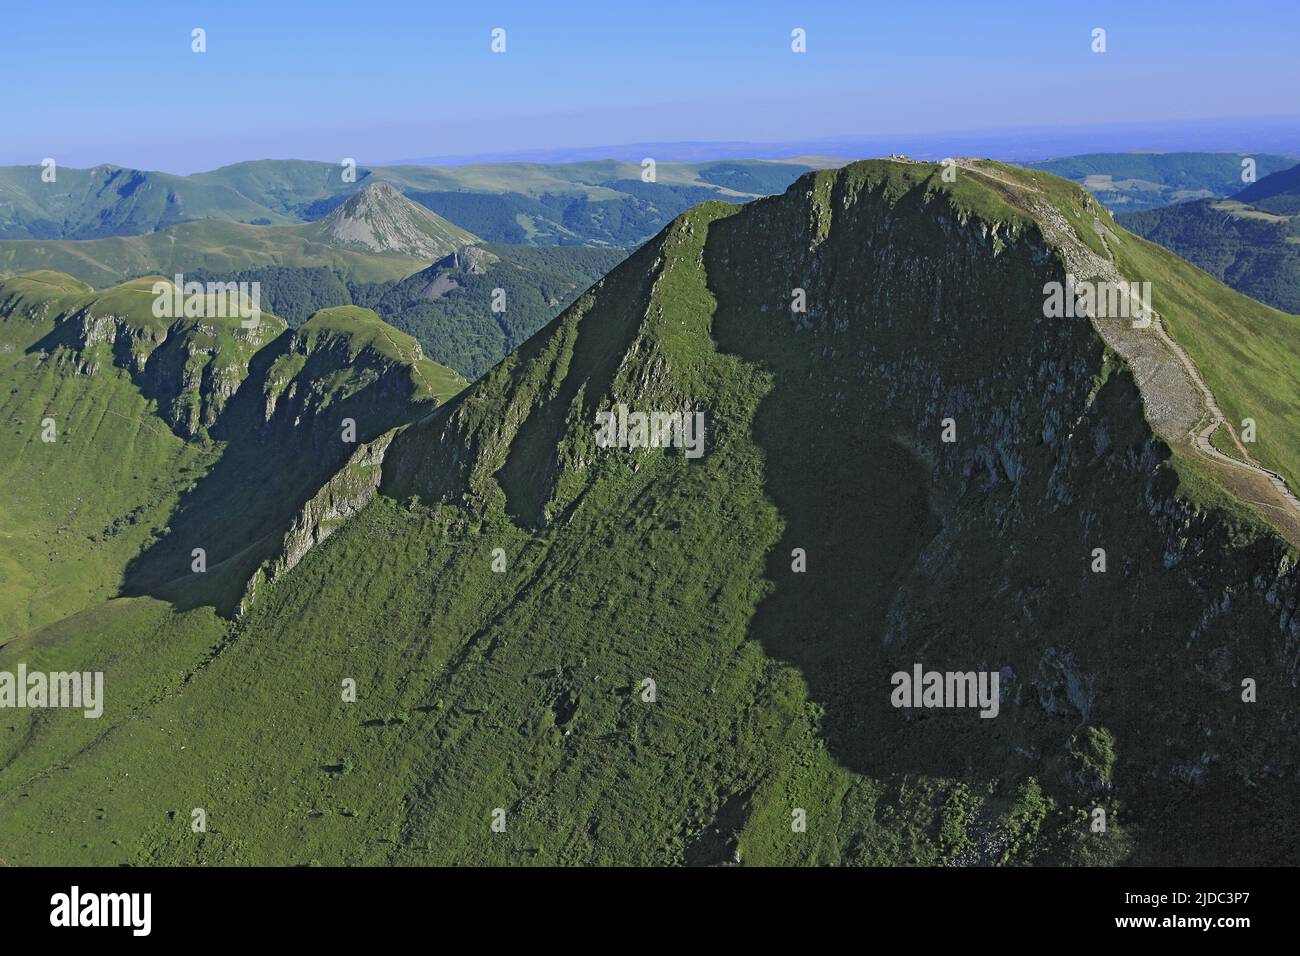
1213, 418
1201, 436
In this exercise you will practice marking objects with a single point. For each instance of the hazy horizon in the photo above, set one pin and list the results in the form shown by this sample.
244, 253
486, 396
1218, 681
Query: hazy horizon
1273, 134
583, 79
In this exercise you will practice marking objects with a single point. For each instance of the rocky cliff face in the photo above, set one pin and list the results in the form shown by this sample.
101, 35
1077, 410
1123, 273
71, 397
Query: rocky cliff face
318, 370
442, 277
191, 367
345, 494
923, 314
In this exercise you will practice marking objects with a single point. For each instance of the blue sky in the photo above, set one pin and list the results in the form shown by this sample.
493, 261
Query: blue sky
92, 82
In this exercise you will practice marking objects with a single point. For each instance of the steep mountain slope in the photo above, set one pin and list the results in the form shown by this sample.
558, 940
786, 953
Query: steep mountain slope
123, 431
1250, 242
1128, 182
67, 532
638, 655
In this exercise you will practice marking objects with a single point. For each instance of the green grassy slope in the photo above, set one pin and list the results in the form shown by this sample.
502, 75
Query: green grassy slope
76, 510
523, 688
1249, 353
79, 508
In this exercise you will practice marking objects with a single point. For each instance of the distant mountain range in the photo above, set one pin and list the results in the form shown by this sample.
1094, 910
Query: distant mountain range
1025, 144
374, 235
312, 238
1127, 182
1251, 241
602, 203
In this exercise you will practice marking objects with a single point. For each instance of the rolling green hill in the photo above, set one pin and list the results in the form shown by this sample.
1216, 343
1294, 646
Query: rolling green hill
637, 655
1250, 241
112, 201
1127, 182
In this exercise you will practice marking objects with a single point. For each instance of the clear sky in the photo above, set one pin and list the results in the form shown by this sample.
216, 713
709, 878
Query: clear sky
93, 82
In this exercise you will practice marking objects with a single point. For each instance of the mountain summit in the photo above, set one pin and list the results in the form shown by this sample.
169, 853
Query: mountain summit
380, 219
